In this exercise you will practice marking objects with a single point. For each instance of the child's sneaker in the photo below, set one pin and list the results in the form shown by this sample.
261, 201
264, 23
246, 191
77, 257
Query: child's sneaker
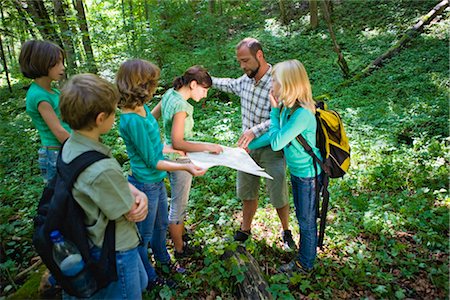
288, 241
242, 235
161, 282
188, 251
170, 268
293, 267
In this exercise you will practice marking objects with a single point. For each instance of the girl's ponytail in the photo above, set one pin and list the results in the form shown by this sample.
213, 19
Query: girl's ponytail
179, 82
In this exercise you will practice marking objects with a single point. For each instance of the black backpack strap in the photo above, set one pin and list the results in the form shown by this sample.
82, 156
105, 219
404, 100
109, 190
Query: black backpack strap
325, 193
106, 266
70, 172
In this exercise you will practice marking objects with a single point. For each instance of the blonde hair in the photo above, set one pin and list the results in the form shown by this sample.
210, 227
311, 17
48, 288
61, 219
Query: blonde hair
137, 80
84, 97
295, 88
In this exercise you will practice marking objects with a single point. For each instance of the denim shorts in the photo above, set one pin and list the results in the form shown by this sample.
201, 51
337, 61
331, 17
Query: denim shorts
274, 164
180, 186
47, 157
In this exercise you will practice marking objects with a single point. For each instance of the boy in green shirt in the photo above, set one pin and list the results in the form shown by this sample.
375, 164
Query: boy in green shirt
88, 105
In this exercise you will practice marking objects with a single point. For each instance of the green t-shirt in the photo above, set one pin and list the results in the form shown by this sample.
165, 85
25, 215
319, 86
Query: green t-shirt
103, 193
35, 95
172, 102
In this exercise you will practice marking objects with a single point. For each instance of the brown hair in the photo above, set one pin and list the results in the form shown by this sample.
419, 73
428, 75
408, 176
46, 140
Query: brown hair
194, 73
37, 57
251, 43
84, 97
137, 80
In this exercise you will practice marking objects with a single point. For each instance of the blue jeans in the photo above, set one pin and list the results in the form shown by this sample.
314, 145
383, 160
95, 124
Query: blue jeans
154, 228
132, 278
304, 192
47, 157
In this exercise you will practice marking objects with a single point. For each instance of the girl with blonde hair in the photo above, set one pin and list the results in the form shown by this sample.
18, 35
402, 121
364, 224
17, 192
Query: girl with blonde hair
292, 114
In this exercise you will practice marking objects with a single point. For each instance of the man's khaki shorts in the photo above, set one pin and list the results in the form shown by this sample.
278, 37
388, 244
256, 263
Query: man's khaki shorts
273, 163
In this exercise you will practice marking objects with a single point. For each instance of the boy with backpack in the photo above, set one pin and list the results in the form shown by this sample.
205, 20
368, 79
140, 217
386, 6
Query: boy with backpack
88, 104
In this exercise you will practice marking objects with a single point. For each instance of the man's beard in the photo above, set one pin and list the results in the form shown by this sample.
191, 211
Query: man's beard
254, 72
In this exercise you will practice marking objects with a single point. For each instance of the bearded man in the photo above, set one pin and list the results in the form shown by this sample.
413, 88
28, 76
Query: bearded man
253, 88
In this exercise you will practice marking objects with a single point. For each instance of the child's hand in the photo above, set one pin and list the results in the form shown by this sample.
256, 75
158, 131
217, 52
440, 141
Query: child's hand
139, 209
195, 170
273, 100
214, 148
245, 139
169, 149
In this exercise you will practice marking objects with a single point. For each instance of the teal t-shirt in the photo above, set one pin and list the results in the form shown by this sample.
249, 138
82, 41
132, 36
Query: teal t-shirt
35, 95
172, 102
144, 147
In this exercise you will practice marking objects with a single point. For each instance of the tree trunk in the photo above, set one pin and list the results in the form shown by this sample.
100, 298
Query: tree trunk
23, 17
212, 6
283, 13
253, 286
66, 34
314, 16
401, 43
341, 60
5, 65
36, 9
85, 36
132, 28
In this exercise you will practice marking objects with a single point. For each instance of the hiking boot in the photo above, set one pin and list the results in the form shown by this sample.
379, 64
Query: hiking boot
242, 235
288, 241
170, 268
161, 282
293, 267
188, 251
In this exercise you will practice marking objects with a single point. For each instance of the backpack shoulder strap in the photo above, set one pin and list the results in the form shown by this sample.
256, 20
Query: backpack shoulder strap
70, 172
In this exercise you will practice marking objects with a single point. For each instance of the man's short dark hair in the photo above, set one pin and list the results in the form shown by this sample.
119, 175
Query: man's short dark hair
251, 43
37, 57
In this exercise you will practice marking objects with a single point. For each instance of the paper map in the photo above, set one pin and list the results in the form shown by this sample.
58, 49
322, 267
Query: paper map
235, 158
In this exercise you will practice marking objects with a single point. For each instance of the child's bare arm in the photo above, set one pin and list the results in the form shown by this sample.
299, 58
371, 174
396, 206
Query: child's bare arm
156, 111
179, 143
52, 121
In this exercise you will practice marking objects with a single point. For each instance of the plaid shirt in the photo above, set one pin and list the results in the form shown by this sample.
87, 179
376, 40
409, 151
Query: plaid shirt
255, 102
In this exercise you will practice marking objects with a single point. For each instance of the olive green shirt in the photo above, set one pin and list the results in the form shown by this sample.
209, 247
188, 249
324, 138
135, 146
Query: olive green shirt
103, 193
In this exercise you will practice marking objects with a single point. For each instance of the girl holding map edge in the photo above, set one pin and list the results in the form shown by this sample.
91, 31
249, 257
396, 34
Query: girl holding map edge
177, 115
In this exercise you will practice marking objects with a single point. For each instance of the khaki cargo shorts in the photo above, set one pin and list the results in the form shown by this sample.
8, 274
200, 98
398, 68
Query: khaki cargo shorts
274, 164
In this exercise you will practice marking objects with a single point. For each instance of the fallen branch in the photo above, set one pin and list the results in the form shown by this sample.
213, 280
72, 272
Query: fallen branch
253, 285
22, 274
407, 37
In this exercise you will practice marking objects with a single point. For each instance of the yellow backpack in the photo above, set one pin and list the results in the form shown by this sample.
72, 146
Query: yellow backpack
334, 148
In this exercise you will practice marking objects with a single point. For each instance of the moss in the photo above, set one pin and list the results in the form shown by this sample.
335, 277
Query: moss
29, 290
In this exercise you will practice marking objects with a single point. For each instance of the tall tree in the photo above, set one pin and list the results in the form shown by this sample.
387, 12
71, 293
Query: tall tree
5, 65
314, 14
61, 10
283, 12
212, 6
341, 60
36, 9
24, 18
86, 39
